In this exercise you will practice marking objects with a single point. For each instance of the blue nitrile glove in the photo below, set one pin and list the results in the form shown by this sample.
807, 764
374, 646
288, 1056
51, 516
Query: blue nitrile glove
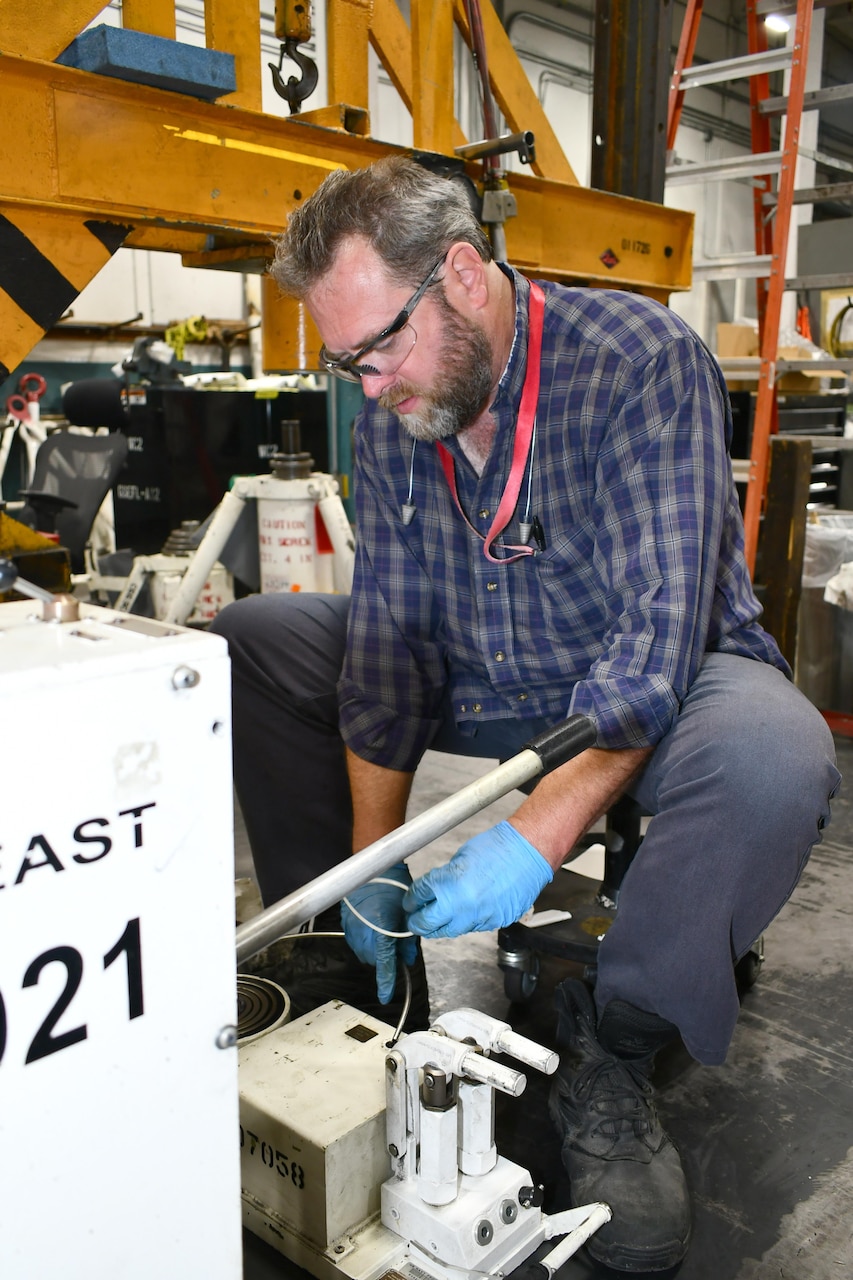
382, 905
488, 884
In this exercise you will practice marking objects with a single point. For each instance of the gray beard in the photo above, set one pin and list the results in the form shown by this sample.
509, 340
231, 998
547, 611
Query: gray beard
461, 391
436, 423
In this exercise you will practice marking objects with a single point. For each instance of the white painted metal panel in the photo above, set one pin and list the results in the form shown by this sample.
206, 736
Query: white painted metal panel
118, 1111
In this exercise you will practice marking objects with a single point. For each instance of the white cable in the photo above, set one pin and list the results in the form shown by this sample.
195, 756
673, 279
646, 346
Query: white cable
530, 472
375, 927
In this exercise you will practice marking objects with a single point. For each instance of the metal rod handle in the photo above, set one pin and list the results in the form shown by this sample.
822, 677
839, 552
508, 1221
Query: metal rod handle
545, 752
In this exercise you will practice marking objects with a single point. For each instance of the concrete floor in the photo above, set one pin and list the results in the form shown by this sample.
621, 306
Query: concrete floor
766, 1139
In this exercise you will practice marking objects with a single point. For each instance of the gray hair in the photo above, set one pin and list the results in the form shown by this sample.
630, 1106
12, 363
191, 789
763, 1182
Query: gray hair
408, 215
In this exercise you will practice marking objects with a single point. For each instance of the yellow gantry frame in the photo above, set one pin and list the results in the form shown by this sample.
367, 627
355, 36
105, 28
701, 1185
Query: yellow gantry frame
90, 162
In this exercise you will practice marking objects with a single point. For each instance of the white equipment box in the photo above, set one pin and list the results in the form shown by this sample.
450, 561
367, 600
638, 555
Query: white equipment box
373, 1159
118, 1067
312, 1132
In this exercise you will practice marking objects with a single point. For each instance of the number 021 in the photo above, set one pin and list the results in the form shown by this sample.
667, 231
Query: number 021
45, 1042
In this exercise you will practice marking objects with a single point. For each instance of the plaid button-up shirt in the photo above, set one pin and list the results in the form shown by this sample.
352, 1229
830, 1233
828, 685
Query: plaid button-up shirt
643, 569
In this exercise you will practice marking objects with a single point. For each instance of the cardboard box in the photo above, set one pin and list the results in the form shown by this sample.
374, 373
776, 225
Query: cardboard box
797, 380
739, 339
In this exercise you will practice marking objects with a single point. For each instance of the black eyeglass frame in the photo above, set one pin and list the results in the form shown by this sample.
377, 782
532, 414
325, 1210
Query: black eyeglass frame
346, 366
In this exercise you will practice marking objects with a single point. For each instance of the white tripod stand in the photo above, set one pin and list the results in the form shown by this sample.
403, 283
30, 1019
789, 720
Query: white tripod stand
305, 540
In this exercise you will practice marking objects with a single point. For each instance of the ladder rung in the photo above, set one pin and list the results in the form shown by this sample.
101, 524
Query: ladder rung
743, 366
835, 280
828, 161
745, 166
745, 266
763, 7
823, 364
811, 195
750, 366
813, 98
753, 64
741, 267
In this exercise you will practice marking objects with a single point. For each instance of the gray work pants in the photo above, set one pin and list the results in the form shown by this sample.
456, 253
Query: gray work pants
739, 791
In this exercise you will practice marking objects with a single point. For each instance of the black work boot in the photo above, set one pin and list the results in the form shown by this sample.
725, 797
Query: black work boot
313, 970
614, 1149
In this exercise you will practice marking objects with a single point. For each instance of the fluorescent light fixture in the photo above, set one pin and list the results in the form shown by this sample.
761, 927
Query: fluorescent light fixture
776, 22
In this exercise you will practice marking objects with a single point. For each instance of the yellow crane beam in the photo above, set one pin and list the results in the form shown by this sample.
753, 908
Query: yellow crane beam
91, 162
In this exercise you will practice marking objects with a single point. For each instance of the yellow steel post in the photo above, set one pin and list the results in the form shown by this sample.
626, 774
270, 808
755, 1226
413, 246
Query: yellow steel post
392, 40
232, 26
347, 31
289, 337
43, 28
432, 71
166, 240
154, 17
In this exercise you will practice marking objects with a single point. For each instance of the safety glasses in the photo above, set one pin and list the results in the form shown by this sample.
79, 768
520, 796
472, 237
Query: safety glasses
387, 350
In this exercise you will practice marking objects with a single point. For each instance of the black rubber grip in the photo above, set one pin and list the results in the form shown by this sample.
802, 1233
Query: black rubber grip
563, 741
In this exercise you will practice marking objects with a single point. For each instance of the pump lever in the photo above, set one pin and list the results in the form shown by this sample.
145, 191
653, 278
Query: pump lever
495, 1036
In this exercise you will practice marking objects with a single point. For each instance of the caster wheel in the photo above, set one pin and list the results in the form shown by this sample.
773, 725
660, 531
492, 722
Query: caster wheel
748, 967
519, 984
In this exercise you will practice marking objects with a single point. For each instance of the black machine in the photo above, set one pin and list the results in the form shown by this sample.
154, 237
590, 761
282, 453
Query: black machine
185, 446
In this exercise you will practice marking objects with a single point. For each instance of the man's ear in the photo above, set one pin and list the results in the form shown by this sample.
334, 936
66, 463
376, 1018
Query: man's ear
465, 280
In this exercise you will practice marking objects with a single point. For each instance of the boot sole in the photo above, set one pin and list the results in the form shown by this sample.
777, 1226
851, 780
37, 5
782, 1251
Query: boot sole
624, 1258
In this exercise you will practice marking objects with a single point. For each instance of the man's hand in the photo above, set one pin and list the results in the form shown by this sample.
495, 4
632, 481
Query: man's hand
489, 883
382, 905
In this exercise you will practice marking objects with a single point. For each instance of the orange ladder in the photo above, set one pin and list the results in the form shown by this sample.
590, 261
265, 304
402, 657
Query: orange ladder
772, 174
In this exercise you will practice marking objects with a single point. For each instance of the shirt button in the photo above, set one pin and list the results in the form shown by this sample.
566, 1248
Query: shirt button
478, 706
500, 656
484, 513
522, 697
491, 586
463, 707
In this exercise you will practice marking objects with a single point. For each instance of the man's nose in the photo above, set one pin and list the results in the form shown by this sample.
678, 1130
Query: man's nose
373, 384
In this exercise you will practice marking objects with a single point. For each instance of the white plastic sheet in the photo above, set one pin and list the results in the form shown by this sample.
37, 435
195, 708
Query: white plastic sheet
825, 624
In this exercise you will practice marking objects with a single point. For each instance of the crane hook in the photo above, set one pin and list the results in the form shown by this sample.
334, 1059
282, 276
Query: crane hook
296, 90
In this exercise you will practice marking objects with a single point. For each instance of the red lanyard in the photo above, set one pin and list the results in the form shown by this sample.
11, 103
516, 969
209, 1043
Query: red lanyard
521, 444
